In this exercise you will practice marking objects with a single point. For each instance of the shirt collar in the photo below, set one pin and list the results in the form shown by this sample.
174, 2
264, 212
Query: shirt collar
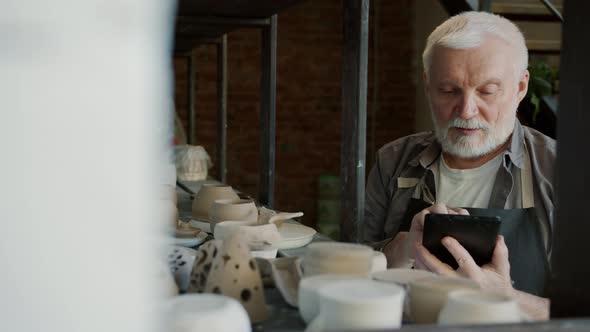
515, 150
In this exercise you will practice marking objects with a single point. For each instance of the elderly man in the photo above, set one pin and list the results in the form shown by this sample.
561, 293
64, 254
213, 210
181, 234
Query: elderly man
479, 160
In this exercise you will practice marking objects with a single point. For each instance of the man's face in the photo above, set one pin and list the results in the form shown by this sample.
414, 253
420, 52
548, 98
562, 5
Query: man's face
473, 94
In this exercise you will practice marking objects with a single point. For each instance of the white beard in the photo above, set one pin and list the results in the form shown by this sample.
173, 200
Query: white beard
474, 146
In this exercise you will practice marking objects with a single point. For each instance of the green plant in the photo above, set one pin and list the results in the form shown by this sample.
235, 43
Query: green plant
541, 83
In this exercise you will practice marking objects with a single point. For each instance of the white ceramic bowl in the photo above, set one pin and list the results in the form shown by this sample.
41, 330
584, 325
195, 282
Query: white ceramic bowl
205, 312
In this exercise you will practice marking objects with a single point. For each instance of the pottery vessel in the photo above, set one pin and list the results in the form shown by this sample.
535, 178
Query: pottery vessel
308, 300
479, 307
359, 305
428, 295
180, 262
234, 273
205, 197
402, 277
205, 312
258, 237
232, 209
337, 258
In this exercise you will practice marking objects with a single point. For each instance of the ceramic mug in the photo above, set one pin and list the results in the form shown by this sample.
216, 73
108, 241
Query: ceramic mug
212, 312
359, 305
205, 197
479, 307
428, 296
232, 209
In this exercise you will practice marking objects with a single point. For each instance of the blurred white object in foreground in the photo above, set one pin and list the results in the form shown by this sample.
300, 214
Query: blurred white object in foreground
86, 121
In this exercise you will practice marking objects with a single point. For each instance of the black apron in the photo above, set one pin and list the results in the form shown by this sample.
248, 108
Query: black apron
529, 265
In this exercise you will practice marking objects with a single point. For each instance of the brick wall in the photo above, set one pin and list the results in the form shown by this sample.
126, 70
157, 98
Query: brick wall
308, 96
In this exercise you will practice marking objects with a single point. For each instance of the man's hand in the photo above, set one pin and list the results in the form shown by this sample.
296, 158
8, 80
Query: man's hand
401, 251
492, 276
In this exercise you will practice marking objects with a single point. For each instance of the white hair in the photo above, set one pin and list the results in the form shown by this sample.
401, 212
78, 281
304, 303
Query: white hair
469, 29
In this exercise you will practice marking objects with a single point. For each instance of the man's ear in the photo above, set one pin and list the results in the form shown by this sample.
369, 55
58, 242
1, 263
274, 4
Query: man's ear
523, 85
426, 83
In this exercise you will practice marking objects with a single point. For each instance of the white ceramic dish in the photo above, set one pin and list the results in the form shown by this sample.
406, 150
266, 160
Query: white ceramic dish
189, 242
295, 235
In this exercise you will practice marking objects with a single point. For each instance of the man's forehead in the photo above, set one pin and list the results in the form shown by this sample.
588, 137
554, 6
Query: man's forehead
482, 63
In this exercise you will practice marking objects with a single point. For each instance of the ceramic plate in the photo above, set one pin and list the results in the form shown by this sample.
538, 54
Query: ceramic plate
203, 225
295, 235
191, 241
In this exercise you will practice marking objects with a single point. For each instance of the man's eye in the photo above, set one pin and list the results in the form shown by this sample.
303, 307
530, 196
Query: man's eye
447, 91
489, 90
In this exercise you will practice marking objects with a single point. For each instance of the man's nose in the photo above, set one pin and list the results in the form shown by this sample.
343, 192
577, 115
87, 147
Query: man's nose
467, 107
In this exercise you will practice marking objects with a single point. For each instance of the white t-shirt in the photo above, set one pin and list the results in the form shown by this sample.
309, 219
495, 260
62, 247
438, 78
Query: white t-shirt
466, 187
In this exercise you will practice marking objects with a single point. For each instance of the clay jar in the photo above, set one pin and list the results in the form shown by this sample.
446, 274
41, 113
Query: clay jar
232, 209
207, 195
337, 258
428, 295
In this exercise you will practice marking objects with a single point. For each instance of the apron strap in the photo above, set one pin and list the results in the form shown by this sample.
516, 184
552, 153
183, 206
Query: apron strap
526, 182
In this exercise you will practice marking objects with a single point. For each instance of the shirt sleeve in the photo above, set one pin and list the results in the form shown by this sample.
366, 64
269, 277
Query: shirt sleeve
376, 205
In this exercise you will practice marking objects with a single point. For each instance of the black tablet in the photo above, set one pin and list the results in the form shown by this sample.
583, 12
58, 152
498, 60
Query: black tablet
476, 234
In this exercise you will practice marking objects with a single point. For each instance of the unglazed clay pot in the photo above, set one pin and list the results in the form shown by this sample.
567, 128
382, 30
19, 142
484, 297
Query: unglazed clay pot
479, 307
359, 305
428, 295
337, 258
235, 273
232, 209
207, 195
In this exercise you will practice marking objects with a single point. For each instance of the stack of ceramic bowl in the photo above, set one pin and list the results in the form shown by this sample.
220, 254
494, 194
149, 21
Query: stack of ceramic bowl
337, 258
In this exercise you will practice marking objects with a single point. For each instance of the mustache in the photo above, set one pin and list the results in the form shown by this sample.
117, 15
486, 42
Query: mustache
468, 124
